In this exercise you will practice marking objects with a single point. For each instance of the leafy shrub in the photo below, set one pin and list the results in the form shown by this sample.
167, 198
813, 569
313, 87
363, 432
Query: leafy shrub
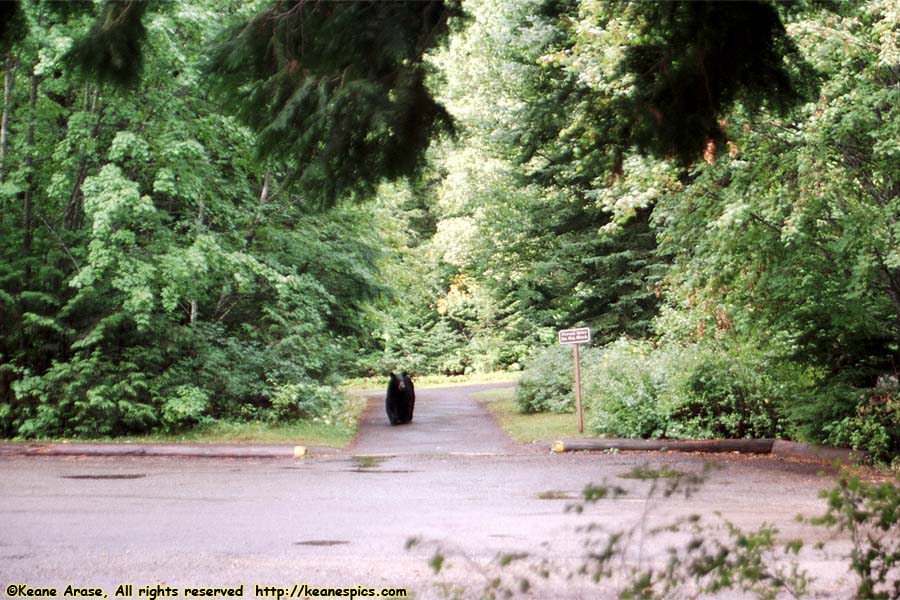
200, 374
733, 394
625, 390
304, 400
86, 396
547, 384
638, 389
232, 371
185, 408
870, 513
874, 426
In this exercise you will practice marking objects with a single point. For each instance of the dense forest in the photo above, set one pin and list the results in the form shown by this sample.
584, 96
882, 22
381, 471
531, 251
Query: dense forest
217, 211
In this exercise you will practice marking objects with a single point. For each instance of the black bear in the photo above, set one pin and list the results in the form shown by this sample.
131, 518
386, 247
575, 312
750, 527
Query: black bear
401, 399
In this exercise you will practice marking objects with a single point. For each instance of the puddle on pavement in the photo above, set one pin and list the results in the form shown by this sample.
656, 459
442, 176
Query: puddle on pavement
321, 543
369, 464
554, 495
106, 476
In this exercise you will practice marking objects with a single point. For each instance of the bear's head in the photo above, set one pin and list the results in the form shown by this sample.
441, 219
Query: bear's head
398, 381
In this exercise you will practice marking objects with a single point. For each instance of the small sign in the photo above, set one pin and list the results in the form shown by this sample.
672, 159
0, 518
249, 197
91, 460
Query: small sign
581, 335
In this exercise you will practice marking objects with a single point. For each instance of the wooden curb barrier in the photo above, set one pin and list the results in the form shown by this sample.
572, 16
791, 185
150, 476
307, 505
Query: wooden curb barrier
161, 450
781, 448
763, 446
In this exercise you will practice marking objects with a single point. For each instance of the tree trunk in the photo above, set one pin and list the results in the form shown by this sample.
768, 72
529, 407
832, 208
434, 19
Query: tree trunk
8, 78
897, 333
29, 187
894, 293
263, 198
201, 215
73, 216
892, 288
221, 310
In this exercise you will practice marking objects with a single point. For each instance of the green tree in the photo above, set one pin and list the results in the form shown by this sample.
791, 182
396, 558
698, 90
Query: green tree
789, 238
155, 273
337, 89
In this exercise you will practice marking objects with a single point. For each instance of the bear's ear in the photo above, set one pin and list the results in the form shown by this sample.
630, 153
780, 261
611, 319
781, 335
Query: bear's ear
404, 374
393, 376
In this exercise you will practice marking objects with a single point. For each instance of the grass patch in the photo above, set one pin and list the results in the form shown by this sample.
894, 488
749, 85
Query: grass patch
527, 428
309, 433
651, 473
429, 381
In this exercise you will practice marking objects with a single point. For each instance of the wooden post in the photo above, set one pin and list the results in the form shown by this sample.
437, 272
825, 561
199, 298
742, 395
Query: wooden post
577, 336
578, 389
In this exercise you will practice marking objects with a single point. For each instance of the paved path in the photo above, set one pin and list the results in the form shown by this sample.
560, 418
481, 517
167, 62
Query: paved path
343, 520
445, 421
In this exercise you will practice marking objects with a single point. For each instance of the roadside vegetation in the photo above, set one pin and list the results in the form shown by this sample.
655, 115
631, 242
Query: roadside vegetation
335, 431
641, 560
209, 218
